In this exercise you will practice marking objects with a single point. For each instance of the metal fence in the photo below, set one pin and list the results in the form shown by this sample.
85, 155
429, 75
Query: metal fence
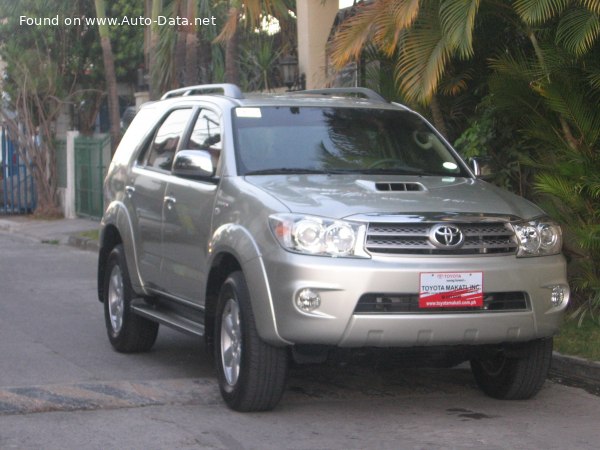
90, 169
17, 189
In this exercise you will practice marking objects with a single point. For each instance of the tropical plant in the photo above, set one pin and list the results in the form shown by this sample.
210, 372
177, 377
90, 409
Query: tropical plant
259, 62
44, 69
249, 13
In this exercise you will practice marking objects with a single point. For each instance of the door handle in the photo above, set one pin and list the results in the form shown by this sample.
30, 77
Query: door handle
129, 190
170, 201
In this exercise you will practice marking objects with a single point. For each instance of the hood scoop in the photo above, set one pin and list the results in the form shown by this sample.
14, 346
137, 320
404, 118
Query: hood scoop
392, 186
398, 187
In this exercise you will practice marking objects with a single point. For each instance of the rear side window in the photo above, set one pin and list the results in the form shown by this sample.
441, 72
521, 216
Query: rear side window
166, 140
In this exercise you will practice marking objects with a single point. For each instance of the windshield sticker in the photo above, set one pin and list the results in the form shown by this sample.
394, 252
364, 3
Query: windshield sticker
252, 113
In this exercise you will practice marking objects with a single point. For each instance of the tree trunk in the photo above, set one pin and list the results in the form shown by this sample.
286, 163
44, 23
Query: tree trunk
154, 37
191, 46
205, 62
232, 74
438, 116
111, 78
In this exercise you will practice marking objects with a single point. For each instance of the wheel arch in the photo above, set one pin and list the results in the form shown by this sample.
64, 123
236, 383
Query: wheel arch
223, 265
234, 249
109, 239
116, 228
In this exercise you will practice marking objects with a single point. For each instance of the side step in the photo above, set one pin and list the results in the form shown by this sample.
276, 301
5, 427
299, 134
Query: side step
169, 318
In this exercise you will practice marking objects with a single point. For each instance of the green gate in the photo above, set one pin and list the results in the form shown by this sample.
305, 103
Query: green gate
90, 169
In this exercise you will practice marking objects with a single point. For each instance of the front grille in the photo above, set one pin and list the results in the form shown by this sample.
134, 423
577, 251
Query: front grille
409, 303
414, 238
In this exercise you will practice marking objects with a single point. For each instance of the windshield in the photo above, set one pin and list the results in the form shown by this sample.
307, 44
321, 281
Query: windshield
338, 140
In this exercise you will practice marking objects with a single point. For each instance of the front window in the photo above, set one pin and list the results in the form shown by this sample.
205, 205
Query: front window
339, 140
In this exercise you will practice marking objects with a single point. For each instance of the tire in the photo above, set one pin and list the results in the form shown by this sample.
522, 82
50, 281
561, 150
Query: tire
127, 332
252, 374
514, 376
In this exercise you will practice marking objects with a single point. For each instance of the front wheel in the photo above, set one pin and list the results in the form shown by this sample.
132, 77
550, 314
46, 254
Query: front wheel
517, 375
252, 374
127, 332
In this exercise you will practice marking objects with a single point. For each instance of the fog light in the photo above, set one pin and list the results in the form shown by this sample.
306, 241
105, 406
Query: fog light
559, 295
308, 300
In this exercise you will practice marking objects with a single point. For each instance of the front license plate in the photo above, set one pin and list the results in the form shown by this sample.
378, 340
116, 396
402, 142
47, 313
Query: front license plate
451, 290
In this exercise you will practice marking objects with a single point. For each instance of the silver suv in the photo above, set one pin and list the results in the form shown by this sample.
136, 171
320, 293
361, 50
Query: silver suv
283, 226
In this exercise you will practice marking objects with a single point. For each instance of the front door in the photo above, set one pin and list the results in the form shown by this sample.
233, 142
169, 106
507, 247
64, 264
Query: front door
188, 215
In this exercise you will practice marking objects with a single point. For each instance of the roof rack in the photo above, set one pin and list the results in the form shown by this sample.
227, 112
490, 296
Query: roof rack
347, 91
226, 89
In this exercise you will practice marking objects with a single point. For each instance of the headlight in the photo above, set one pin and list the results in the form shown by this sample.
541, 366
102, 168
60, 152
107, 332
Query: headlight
538, 237
317, 235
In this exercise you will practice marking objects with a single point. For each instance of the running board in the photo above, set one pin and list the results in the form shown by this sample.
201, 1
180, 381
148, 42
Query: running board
169, 318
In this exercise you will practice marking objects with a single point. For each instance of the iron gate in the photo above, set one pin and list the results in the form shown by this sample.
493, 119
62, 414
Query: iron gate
17, 190
89, 175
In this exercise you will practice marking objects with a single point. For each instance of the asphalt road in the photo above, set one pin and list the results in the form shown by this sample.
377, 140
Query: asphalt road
63, 387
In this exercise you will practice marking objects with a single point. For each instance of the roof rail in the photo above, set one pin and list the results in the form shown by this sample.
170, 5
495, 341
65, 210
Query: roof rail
367, 93
227, 89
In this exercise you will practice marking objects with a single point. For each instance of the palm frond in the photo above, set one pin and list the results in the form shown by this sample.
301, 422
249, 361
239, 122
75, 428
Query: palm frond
353, 35
395, 18
594, 79
423, 58
561, 188
592, 5
517, 65
535, 12
230, 26
456, 84
572, 103
578, 30
458, 20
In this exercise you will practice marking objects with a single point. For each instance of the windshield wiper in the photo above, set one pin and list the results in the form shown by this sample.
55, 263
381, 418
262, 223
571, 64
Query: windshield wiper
288, 170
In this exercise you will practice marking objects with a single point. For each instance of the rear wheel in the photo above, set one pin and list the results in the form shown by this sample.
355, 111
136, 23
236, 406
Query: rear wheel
127, 332
252, 374
515, 375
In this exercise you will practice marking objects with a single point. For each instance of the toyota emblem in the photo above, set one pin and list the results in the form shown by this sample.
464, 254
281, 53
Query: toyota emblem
446, 236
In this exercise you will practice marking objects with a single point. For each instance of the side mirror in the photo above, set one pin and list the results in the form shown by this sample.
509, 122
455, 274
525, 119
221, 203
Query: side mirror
195, 164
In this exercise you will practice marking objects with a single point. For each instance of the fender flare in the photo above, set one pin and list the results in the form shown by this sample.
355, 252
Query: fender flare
237, 241
117, 215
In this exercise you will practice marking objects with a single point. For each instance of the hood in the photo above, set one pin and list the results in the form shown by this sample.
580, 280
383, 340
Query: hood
342, 196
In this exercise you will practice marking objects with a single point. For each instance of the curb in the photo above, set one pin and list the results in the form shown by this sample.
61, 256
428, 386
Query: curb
575, 368
83, 243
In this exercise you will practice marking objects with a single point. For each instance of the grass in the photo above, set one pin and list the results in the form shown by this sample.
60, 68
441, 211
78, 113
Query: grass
575, 340
91, 234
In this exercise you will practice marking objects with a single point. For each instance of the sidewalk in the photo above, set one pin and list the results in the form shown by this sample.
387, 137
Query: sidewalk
56, 231
69, 232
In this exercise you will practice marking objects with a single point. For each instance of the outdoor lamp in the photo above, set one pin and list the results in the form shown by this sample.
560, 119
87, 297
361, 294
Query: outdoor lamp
289, 71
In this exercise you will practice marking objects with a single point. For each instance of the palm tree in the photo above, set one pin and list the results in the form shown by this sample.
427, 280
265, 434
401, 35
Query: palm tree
110, 76
425, 36
252, 11
422, 36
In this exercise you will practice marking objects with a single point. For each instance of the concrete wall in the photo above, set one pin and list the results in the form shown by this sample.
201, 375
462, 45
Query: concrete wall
315, 19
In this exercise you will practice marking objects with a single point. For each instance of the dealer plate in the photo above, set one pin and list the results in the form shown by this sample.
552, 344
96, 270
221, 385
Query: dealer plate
451, 290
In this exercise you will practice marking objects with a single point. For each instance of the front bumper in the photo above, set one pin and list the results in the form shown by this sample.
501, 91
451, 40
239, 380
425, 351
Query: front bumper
340, 283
